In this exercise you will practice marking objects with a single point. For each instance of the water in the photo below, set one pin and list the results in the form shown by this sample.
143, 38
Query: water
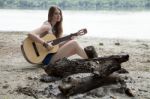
109, 24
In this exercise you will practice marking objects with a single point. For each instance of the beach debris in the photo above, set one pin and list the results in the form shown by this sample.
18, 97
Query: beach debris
129, 92
32, 78
122, 71
145, 46
47, 78
51, 91
27, 91
5, 86
101, 44
148, 60
91, 52
117, 43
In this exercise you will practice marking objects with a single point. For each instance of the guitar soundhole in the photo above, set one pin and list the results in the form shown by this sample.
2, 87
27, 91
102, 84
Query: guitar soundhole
35, 49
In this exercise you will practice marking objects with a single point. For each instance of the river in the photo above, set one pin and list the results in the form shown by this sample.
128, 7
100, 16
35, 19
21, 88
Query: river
108, 24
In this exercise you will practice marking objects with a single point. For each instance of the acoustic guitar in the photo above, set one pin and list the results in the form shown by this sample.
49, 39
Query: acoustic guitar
35, 52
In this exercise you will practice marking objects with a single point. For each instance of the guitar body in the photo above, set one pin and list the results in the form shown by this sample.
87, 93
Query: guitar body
35, 52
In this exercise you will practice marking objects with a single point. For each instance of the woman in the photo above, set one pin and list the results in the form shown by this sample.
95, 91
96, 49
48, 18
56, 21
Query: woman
54, 25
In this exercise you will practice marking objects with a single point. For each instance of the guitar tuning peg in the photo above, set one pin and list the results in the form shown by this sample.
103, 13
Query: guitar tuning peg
85, 30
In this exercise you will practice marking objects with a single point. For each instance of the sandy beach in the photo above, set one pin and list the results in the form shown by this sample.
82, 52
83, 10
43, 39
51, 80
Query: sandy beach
16, 72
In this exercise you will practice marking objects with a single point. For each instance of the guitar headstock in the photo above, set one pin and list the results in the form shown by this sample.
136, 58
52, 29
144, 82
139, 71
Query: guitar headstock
81, 32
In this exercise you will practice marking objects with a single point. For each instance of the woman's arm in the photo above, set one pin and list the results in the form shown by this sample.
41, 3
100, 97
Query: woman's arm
35, 34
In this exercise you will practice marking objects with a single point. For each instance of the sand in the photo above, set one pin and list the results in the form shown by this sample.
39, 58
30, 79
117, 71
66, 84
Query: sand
16, 72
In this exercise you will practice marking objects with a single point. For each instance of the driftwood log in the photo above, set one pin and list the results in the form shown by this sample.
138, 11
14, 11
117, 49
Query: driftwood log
72, 85
91, 52
101, 66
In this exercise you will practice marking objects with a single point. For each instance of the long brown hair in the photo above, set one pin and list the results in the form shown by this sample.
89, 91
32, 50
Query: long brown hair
58, 26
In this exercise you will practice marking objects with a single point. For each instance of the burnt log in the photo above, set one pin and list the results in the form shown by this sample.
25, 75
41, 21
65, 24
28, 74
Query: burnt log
72, 85
91, 52
100, 66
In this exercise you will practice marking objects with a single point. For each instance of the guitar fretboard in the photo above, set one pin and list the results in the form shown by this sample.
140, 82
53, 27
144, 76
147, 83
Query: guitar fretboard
57, 41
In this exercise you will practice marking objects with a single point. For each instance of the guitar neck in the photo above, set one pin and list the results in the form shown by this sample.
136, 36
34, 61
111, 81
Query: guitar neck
57, 41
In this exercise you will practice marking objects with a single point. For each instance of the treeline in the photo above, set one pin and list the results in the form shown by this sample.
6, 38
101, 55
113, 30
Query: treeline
77, 4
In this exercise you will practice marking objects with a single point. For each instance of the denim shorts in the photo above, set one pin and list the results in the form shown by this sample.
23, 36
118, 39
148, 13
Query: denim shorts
48, 58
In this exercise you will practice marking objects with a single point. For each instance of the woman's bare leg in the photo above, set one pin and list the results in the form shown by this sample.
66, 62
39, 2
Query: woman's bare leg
68, 49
